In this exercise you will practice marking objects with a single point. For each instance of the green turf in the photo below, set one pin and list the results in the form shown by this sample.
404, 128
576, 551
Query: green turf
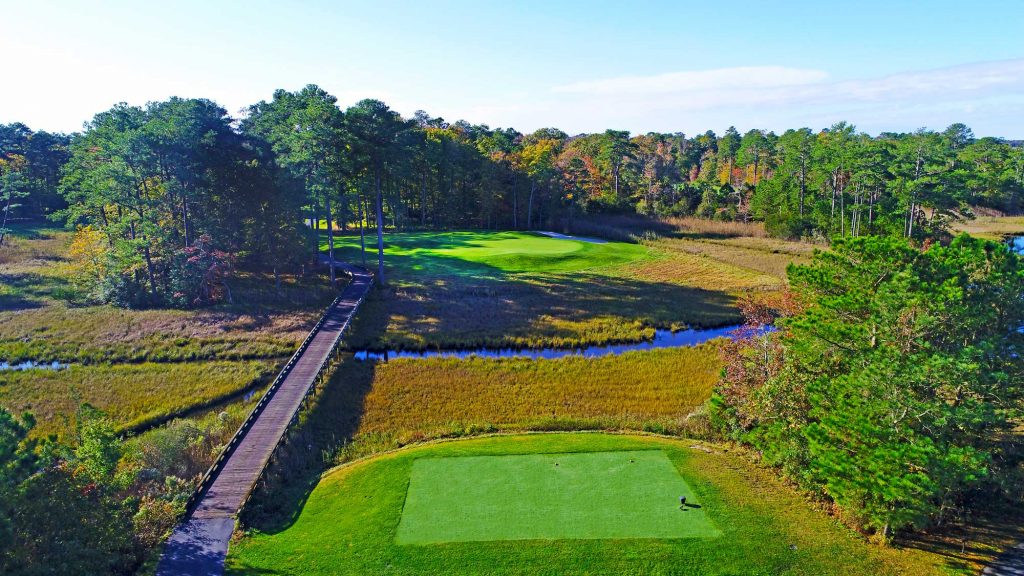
349, 523
623, 494
483, 253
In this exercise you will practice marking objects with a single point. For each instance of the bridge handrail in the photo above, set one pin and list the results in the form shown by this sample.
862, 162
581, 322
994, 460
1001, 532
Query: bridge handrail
211, 473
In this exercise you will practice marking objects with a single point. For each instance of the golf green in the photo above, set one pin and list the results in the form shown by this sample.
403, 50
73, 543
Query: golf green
584, 495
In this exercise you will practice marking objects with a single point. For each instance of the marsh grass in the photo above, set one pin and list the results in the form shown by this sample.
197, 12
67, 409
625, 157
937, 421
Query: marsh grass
993, 227
632, 228
43, 318
134, 396
424, 398
742, 263
702, 227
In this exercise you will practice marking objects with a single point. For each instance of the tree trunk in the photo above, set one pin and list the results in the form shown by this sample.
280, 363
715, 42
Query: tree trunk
803, 184
380, 232
842, 213
515, 203
423, 200
7, 213
184, 216
362, 231
529, 206
316, 229
149, 270
330, 238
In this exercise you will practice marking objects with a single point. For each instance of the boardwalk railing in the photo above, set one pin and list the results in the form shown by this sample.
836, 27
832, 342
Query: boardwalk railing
211, 473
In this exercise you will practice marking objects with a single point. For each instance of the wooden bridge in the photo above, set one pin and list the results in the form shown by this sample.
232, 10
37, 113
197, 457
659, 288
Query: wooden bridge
199, 545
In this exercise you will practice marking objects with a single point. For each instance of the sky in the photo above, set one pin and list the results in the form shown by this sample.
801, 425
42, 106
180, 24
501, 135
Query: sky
582, 66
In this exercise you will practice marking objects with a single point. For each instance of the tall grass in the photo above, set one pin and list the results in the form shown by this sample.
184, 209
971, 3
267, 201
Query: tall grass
42, 318
993, 227
133, 396
691, 225
632, 228
416, 399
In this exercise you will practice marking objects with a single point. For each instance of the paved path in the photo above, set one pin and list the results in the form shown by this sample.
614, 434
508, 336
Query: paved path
1011, 563
198, 546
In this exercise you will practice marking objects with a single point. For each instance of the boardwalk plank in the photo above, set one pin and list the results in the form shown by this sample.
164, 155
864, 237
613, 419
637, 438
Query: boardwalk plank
198, 546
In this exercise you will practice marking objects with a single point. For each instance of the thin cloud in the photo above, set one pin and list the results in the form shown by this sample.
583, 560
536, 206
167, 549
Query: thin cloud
698, 80
985, 94
794, 86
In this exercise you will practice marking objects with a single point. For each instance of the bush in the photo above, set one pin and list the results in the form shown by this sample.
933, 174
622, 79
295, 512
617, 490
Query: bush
788, 226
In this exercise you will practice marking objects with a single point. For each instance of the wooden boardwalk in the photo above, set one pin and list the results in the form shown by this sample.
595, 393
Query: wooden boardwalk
199, 545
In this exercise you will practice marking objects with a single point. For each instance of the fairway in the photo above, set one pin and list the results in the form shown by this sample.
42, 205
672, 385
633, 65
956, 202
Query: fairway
623, 494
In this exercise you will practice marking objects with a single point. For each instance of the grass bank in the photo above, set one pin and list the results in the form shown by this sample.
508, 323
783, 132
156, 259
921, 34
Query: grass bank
993, 227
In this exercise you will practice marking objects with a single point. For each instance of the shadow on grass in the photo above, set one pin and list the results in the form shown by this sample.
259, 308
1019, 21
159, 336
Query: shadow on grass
26, 291
324, 428
962, 546
438, 300
250, 570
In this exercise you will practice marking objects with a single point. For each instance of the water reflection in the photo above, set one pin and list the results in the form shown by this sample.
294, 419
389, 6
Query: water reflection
662, 339
30, 365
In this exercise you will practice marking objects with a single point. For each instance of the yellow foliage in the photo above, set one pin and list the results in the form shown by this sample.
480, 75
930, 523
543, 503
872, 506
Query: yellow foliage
88, 255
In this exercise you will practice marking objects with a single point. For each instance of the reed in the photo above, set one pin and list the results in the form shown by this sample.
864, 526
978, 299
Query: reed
133, 396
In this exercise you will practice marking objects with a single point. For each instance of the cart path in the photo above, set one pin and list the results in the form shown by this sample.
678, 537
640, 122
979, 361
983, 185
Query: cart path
199, 545
1011, 563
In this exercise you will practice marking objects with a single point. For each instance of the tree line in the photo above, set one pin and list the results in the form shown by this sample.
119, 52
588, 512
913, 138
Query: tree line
30, 170
169, 197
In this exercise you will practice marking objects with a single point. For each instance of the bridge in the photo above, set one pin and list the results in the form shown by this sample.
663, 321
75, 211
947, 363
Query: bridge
199, 545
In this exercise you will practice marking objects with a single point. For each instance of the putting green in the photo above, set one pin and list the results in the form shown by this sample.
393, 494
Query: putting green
476, 253
589, 495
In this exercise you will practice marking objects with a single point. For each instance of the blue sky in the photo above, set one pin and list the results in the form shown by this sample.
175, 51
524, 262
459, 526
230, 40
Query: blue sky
582, 66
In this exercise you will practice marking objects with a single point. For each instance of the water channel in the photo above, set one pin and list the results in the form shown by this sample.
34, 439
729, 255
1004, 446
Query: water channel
662, 339
30, 365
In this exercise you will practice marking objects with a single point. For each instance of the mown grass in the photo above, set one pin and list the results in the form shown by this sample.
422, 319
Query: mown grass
588, 495
471, 289
488, 254
348, 525
132, 395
